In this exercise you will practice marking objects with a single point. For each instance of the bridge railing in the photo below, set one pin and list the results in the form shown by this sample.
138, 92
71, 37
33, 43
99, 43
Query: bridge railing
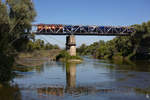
59, 29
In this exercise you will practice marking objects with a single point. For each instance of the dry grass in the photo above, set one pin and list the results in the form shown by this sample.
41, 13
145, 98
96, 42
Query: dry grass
37, 57
39, 54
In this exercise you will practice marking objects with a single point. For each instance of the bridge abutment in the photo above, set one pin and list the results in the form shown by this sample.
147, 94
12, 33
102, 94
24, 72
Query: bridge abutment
71, 45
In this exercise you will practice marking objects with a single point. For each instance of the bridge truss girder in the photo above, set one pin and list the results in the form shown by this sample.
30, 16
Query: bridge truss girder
59, 29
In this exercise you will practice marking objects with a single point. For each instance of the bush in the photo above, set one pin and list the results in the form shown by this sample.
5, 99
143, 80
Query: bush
65, 56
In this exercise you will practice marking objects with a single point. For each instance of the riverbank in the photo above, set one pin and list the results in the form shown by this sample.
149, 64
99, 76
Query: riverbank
36, 58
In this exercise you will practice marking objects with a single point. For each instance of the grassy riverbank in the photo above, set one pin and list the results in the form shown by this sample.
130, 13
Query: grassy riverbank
36, 58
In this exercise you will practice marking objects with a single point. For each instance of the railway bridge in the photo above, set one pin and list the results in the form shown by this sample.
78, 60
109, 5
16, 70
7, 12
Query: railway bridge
71, 30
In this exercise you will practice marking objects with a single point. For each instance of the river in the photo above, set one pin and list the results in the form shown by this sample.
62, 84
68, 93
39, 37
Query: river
91, 80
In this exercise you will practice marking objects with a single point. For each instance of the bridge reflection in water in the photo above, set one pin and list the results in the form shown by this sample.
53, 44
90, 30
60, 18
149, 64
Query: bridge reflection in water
72, 89
70, 83
70, 75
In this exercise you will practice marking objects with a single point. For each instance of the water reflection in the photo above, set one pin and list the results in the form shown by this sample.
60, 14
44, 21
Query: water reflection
73, 89
70, 75
56, 91
92, 79
9, 92
139, 65
70, 83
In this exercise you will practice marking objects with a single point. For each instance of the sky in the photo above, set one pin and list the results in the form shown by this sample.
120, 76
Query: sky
90, 12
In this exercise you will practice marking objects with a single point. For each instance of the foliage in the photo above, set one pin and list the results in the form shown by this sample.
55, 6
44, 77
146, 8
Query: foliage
135, 46
64, 55
21, 14
16, 17
39, 45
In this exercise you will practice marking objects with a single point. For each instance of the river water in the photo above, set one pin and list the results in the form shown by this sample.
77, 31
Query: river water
91, 80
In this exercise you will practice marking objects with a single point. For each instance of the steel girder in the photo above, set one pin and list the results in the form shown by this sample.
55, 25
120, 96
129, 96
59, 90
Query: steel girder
59, 29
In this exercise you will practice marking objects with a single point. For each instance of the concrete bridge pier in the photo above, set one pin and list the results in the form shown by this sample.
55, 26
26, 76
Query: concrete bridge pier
71, 45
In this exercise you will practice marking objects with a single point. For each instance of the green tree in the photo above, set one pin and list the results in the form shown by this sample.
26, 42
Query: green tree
16, 17
22, 14
5, 66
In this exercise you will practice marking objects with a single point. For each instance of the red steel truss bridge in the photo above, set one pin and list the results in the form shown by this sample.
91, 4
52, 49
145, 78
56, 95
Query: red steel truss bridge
61, 29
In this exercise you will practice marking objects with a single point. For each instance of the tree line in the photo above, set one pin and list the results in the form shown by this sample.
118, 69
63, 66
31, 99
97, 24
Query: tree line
135, 46
39, 45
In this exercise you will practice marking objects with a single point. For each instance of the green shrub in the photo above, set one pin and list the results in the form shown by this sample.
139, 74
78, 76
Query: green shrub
65, 56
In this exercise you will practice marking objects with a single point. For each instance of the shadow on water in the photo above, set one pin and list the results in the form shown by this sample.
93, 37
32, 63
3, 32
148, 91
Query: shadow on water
138, 65
9, 92
6, 63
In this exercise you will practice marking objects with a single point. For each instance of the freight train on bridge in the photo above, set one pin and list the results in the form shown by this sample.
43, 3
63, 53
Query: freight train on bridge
60, 29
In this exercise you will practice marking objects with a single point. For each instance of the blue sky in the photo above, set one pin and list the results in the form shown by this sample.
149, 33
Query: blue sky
90, 12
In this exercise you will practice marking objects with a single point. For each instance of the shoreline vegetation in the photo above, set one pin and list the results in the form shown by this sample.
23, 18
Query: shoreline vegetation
65, 57
27, 61
38, 57
133, 47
